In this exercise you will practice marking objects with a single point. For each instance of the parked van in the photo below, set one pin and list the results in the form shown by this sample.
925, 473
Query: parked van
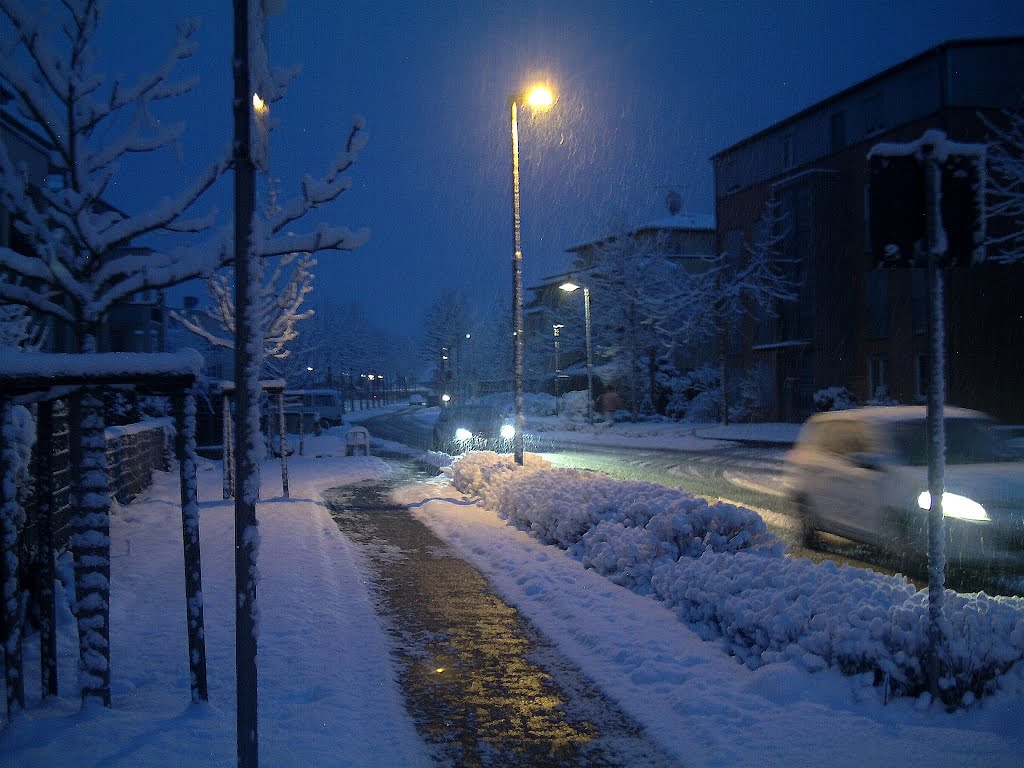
322, 407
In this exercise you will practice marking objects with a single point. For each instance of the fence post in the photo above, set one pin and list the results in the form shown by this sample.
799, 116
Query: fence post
44, 525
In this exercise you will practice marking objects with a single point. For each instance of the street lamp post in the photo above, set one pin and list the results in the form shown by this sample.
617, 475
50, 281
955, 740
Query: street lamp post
569, 286
539, 98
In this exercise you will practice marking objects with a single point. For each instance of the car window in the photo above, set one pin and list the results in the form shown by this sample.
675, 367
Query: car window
843, 438
968, 441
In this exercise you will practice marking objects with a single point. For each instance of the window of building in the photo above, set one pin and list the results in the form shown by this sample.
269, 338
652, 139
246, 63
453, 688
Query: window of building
878, 304
838, 131
874, 113
876, 376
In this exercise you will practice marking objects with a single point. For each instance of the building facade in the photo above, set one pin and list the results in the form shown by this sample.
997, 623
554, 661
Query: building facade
855, 324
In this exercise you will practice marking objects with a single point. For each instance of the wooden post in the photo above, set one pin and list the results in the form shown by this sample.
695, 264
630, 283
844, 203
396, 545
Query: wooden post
44, 525
185, 448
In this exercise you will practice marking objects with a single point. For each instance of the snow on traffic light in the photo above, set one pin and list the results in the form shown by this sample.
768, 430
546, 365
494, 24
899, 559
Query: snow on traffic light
898, 202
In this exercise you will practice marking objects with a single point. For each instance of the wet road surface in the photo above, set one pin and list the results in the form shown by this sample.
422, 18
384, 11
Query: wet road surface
483, 686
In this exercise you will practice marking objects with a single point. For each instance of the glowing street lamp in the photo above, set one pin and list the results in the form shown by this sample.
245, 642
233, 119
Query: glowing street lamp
568, 286
539, 98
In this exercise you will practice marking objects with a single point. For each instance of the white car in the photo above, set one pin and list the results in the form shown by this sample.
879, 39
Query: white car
863, 474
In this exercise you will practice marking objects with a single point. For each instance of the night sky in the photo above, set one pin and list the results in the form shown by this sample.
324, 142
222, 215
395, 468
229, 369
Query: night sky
647, 93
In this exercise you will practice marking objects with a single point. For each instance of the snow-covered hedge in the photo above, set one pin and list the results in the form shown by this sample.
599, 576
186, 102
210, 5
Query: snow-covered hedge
725, 575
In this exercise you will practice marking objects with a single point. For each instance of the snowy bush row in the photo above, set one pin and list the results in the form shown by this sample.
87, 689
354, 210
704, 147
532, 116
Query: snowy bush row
725, 575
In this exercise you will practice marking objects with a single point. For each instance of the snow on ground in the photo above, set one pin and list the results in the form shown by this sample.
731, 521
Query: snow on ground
326, 679
700, 704
327, 683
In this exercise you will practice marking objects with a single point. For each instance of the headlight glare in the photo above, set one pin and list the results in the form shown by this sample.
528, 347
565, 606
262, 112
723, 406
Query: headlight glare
508, 431
463, 434
955, 505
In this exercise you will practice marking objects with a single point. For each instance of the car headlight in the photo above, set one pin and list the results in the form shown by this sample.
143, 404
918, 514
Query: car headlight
508, 431
955, 505
463, 434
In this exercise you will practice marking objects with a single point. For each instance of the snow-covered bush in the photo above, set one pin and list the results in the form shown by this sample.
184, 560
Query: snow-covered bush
695, 395
882, 397
725, 575
834, 399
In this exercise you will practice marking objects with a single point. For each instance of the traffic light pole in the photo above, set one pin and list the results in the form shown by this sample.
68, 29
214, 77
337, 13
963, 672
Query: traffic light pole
936, 431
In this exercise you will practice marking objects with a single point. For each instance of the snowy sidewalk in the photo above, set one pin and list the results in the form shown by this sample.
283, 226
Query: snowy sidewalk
326, 679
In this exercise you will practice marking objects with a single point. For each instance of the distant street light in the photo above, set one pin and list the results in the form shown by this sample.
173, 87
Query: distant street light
568, 286
539, 98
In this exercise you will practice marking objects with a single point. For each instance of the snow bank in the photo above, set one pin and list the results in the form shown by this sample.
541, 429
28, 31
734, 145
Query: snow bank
726, 576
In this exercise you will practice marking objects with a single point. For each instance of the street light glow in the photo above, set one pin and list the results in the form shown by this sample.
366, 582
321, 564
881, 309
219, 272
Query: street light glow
568, 286
259, 104
540, 97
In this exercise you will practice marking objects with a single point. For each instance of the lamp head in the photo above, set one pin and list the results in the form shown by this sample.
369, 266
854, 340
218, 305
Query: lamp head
569, 286
540, 97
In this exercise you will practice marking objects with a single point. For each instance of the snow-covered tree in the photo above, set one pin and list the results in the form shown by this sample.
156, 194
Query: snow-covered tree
279, 309
445, 326
92, 125
18, 328
754, 283
76, 265
1005, 189
643, 302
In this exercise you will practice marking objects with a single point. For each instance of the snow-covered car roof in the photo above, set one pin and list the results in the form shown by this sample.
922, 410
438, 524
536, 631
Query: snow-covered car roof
887, 414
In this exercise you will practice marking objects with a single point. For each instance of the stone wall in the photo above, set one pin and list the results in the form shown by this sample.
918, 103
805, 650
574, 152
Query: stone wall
133, 453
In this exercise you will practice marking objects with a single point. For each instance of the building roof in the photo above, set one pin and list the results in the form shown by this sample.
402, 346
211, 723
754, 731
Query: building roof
683, 221
937, 50
677, 222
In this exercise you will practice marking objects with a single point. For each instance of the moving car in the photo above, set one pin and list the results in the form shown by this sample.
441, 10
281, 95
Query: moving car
461, 428
417, 399
863, 474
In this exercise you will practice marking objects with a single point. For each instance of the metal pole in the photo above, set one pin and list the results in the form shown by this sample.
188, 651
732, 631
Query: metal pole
590, 358
185, 450
247, 470
517, 295
936, 422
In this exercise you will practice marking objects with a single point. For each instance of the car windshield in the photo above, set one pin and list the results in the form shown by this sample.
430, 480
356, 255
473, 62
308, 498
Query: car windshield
968, 441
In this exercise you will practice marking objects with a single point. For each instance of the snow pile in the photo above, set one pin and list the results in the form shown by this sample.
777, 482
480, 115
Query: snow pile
726, 576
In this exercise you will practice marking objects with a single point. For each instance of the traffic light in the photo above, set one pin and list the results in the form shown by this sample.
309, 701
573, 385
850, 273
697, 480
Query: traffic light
962, 210
896, 205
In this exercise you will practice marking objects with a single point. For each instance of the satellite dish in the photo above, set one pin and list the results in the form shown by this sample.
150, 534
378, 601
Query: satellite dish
674, 201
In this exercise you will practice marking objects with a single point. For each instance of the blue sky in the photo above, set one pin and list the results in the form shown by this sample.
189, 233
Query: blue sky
648, 91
